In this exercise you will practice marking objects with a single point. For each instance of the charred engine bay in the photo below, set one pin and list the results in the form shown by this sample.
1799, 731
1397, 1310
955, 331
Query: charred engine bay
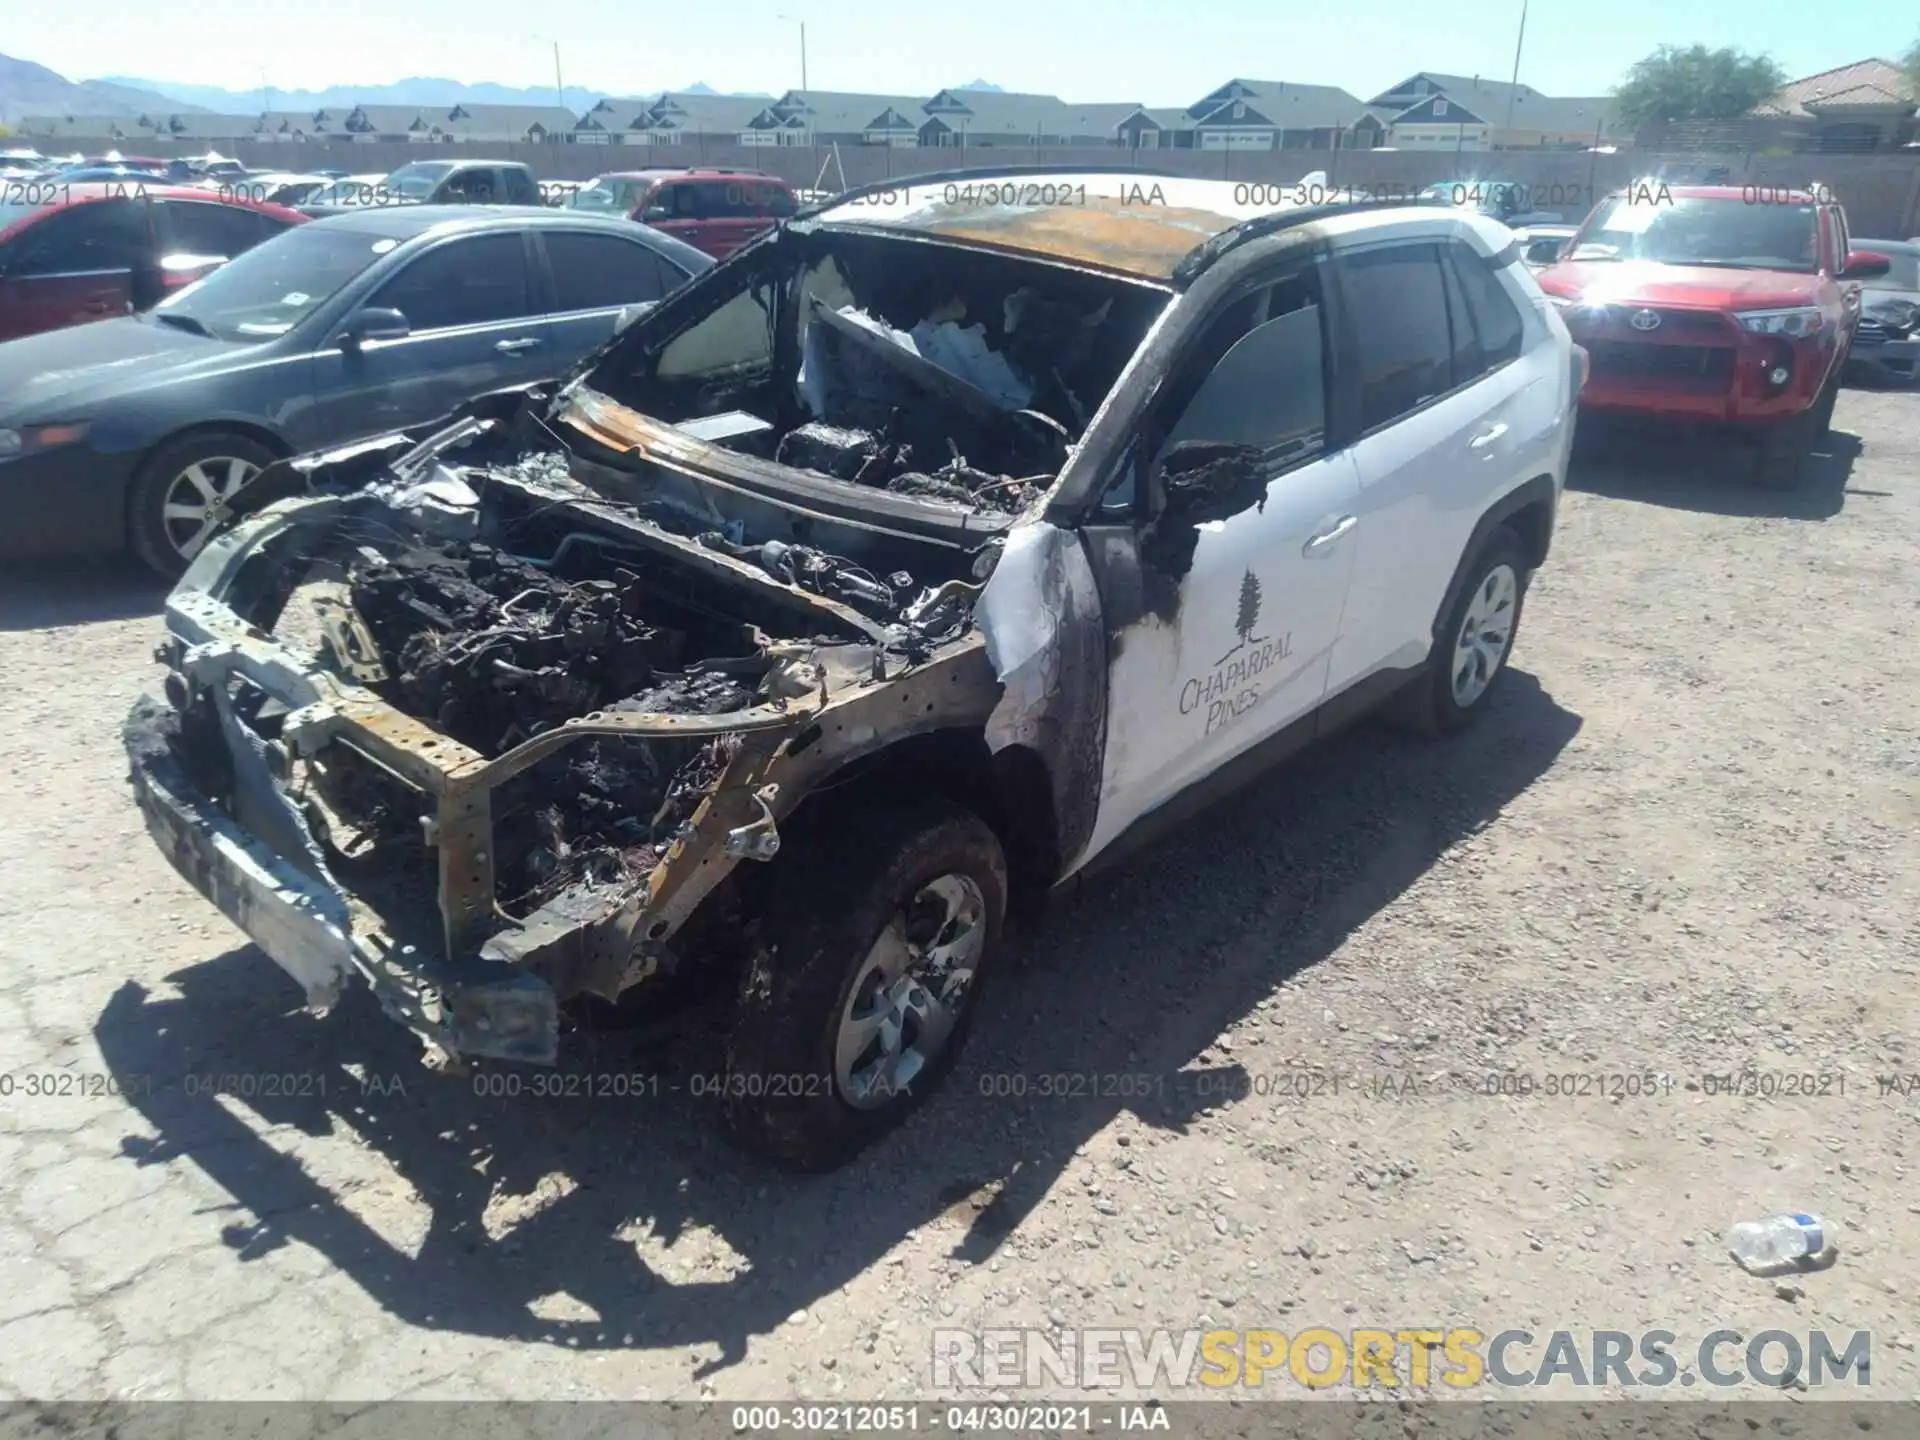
954, 375
492, 646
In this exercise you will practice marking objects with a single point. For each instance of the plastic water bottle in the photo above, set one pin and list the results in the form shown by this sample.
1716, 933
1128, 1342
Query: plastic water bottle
1764, 1247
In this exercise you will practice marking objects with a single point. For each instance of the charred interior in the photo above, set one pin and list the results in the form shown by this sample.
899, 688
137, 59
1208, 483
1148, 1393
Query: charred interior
495, 603
952, 374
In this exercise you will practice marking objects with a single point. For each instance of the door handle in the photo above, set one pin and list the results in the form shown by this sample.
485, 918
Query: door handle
1487, 436
1319, 543
514, 347
97, 307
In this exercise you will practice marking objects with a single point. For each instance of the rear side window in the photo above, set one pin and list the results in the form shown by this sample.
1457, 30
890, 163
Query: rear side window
1397, 307
1487, 329
674, 200
99, 235
597, 272
190, 228
465, 282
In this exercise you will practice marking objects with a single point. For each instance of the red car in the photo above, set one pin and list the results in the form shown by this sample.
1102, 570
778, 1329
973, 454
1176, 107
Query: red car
1721, 304
717, 211
74, 253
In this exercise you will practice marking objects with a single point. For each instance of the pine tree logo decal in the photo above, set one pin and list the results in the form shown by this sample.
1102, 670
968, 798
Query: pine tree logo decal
1248, 617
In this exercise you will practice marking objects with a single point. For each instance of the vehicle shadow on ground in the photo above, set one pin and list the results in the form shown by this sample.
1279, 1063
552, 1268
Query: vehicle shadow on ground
1705, 473
42, 595
1135, 977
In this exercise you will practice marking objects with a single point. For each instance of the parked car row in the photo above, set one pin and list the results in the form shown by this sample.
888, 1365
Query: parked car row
779, 542
1700, 305
139, 431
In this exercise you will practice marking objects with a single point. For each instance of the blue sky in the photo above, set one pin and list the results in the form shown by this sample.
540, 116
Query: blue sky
1079, 49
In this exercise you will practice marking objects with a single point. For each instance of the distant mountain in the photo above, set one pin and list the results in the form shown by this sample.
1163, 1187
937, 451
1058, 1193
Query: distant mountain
30, 89
981, 85
424, 91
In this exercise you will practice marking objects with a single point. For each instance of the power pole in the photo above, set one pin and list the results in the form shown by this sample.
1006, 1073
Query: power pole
558, 88
1514, 92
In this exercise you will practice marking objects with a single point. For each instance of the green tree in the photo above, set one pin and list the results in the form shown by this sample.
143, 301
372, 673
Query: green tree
1695, 83
1910, 62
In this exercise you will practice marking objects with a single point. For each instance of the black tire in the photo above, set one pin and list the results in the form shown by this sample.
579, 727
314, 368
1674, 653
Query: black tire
836, 888
1782, 457
1823, 407
150, 535
1429, 705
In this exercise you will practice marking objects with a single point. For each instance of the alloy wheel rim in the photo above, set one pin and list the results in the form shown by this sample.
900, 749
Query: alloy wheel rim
199, 500
1485, 635
910, 991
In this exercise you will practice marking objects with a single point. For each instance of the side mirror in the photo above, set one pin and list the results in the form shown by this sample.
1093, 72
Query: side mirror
631, 313
372, 324
1201, 480
1865, 265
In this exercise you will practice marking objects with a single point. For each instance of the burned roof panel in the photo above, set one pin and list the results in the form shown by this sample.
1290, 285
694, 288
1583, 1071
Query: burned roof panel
1138, 225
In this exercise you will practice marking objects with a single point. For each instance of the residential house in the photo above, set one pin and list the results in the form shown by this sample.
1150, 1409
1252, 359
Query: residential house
833, 117
1099, 123
1867, 106
675, 119
127, 131
81, 129
981, 119
506, 124
1278, 115
1433, 111
1150, 128
484, 124
611, 122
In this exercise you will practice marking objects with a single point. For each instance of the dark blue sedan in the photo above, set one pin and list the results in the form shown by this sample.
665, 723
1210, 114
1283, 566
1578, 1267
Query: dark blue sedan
138, 433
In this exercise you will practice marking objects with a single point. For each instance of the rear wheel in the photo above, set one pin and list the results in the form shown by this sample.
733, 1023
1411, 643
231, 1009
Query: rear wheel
184, 493
876, 934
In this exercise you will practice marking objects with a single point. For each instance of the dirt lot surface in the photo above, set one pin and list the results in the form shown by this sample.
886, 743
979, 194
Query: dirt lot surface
1255, 1063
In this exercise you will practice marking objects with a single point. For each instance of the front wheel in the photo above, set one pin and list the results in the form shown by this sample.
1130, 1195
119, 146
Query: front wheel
1782, 456
184, 493
875, 938
1472, 642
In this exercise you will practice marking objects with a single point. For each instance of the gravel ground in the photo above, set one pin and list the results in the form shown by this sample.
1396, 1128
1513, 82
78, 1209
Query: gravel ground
1683, 844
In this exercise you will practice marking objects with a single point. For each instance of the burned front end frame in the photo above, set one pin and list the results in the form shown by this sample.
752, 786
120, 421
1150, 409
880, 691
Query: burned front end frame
217, 766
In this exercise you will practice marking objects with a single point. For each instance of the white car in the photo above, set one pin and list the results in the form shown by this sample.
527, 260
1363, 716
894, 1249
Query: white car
938, 549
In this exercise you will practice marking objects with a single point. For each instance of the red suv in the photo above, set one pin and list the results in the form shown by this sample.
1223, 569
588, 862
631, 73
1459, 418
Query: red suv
1716, 304
74, 253
717, 211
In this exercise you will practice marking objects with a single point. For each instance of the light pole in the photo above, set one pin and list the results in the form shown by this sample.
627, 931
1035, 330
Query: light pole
559, 88
796, 20
1514, 90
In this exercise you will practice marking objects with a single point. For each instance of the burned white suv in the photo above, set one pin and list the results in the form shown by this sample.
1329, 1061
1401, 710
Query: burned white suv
945, 541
